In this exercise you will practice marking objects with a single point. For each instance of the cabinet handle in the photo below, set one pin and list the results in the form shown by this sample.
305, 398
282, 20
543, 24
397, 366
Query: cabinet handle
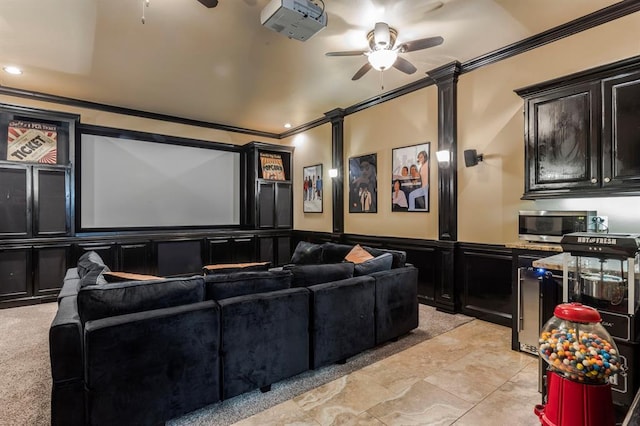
594, 180
607, 180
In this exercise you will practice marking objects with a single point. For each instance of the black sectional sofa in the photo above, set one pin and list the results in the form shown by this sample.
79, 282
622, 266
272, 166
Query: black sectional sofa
143, 352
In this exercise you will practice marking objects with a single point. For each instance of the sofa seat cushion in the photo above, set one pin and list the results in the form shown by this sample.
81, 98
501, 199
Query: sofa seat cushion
375, 264
225, 268
101, 301
223, 286
307, 253
306, 275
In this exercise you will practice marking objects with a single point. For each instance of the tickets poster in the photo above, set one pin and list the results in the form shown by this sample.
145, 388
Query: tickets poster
272, 167
32, 142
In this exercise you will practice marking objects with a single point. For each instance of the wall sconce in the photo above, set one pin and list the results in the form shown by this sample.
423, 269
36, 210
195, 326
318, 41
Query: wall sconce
471, 157
443, 157
333, 173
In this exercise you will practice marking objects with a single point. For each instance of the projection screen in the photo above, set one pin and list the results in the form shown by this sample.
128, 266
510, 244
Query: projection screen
127, 183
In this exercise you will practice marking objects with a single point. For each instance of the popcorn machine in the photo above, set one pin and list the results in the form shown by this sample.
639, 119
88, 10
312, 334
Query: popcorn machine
601, 271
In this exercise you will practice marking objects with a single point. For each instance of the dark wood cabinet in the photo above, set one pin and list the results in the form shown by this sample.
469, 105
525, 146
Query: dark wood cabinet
582, 136
240, 249
562, 140
621, 131
269, 202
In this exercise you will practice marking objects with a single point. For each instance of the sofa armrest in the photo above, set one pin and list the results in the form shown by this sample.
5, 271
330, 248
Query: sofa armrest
65, 342
65, 351
70, 285
396, 302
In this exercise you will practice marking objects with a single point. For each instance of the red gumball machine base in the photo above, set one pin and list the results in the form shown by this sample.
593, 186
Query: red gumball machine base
572, 403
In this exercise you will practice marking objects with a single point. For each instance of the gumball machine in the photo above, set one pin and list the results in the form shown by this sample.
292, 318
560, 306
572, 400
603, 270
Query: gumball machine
581, 357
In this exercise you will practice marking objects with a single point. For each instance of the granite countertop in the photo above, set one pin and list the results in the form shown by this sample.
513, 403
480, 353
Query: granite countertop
554, 262
538, 246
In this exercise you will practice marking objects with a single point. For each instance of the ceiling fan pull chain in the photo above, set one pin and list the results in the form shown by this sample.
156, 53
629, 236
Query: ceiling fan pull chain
382, 80
145, 3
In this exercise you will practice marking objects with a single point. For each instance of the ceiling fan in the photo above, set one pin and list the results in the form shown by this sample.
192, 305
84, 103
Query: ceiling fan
382, 54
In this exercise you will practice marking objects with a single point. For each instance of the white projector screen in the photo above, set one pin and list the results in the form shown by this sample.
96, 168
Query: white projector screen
126, 183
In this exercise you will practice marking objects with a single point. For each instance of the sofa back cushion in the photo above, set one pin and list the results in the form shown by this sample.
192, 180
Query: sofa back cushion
334, 253
376, 264
223, 286
306, 275
102, 301
307, 253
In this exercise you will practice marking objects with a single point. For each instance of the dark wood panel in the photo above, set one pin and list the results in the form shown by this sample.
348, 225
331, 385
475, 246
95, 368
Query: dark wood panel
266, 250
15, 273
106, 250
266, 203
51, 201
487, 286
284, 205
179, 257
284, 250
219, 251
15, 200
135, 257
244, 249
50, 266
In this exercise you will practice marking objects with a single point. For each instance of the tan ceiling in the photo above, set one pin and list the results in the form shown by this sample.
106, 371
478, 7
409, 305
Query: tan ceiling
221, 65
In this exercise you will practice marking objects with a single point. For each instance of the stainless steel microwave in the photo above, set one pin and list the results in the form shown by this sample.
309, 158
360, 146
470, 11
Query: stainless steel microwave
551, 225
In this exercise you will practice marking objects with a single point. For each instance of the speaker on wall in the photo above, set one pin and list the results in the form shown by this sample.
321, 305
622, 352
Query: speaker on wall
471, 157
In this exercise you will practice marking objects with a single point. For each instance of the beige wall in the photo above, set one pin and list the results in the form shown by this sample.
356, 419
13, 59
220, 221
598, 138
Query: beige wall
128, 122
404, 121
490, 120
312, 147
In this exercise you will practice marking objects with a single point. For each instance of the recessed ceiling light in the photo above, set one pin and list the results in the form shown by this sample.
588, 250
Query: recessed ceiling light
287, 125
12, 70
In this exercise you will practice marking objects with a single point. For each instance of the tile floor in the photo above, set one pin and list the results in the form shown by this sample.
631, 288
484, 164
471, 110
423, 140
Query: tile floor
468, 376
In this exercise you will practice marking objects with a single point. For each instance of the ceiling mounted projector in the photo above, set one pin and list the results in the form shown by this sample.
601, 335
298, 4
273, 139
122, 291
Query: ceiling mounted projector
298, 19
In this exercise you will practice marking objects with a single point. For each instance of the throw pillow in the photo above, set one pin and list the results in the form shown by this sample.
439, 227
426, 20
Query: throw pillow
358, 255
377, 264
225, 268
307, 254
399, 256
88, 261
116, 277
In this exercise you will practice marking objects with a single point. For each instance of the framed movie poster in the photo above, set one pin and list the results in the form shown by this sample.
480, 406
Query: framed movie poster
363, 184
312, 186
272, 167
32, 142
410, 178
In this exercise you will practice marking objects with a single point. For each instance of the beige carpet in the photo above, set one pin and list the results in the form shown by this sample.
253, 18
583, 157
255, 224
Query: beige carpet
25, 377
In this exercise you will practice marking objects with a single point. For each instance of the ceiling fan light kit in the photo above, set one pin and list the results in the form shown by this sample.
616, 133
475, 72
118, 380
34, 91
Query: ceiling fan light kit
382, 59
383, 52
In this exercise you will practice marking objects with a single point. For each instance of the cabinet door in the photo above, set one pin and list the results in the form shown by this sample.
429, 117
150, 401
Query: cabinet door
50, 266
15, 273
220, 251
266, 205
621, 131
135, 257
244, 249
15, 184
284, 214
562, 140
51, 201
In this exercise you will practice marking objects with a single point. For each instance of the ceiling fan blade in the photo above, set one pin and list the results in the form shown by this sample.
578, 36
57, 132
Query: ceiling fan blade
404, 66
362, 71
347, 53
209, 3
423, 43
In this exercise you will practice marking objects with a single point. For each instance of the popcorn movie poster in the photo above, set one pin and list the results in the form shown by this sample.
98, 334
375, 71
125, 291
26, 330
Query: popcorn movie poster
32, 142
